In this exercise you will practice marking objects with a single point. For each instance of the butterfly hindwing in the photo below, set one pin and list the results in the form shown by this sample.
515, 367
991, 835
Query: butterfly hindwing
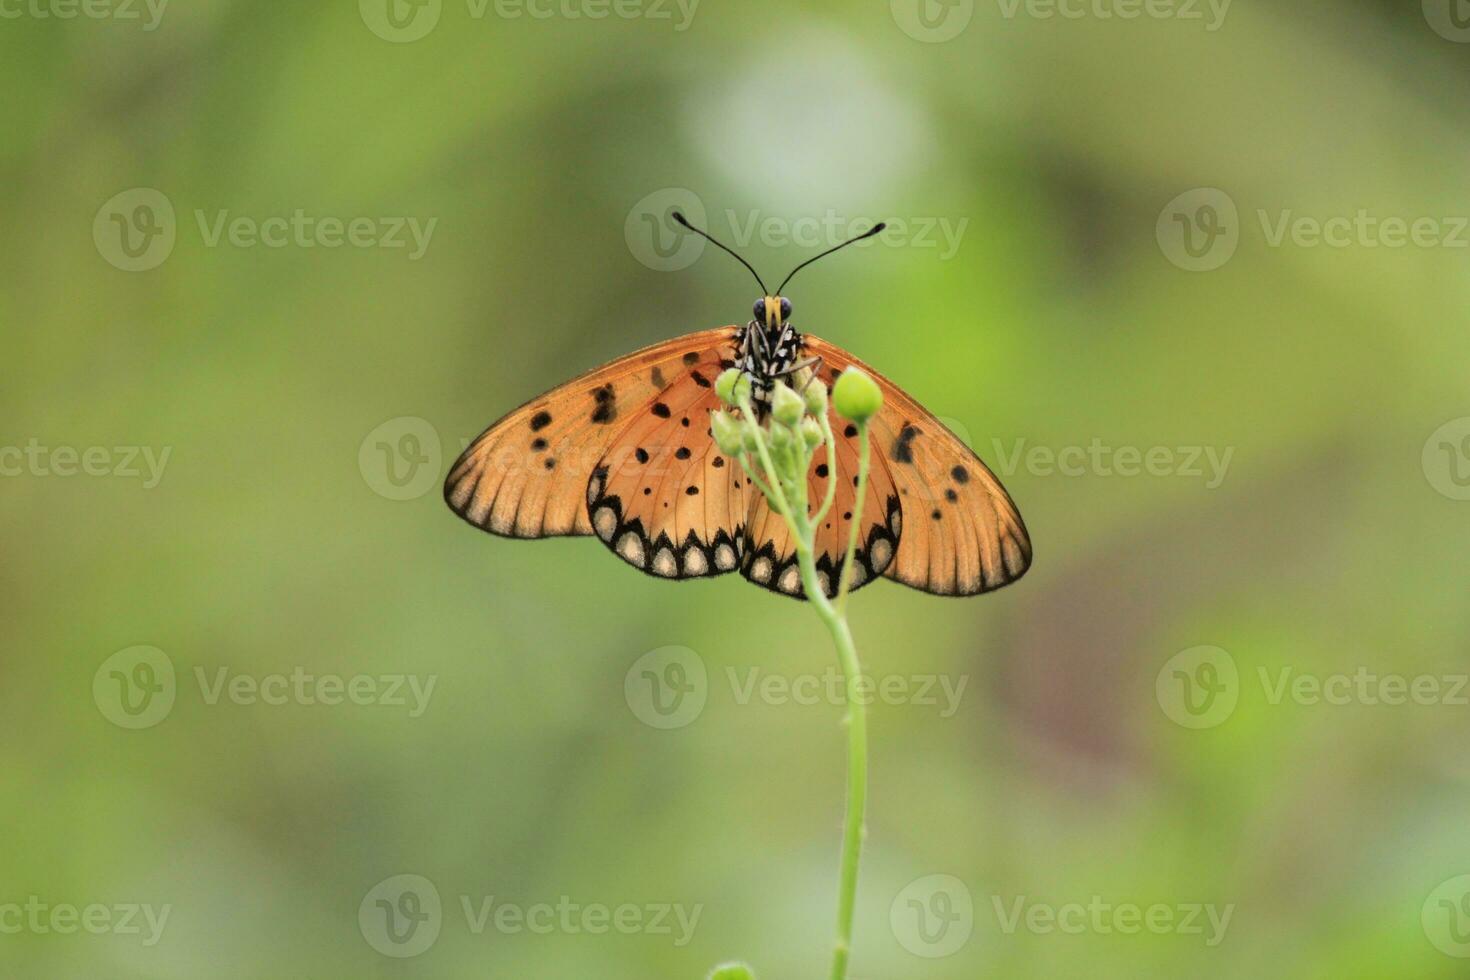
663, 497
527, 475
959, 533
770, 556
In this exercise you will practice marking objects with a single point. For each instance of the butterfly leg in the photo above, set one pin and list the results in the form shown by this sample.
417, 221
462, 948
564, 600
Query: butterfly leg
815, 363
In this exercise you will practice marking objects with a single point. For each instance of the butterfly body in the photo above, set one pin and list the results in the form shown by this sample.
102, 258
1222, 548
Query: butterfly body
625, 453
769, 348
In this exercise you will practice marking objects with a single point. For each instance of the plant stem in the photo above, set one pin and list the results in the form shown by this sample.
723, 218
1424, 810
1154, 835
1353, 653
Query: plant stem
790, 501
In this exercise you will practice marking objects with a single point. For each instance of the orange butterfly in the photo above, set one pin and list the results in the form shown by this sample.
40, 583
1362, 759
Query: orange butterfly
625, 452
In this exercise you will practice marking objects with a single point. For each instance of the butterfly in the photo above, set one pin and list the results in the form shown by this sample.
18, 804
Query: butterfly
625, 452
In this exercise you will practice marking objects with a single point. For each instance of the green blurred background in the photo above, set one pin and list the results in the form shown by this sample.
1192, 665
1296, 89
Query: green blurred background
1112, 189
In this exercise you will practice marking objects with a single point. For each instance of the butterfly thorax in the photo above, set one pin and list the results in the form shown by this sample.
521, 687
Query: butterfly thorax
766, 354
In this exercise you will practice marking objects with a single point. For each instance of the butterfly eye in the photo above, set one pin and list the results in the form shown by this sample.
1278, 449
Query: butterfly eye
785, 308
760, 310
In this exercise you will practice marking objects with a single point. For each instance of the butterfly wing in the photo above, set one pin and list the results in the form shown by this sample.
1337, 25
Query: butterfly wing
663, 497
958, 531
527, 475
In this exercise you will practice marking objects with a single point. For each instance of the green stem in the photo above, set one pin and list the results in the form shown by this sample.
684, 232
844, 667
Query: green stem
792, 506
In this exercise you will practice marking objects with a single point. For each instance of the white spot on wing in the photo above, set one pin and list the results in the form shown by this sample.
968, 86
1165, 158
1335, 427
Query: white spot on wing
605, 521
630, 546
664, 563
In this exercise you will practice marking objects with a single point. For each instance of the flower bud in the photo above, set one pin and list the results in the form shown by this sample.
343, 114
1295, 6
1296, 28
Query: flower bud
732, 385
732, 971
786, 405
856, 396
815, 397
727, 433
811, 432
781, 437
750, 438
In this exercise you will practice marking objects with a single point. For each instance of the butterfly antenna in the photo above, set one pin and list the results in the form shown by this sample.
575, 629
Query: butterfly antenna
857, 238
685, 222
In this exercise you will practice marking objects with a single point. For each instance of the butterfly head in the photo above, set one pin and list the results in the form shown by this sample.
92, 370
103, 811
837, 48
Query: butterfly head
772, 311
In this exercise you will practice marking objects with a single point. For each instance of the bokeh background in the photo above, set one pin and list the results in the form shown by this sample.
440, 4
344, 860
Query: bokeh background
1104, 237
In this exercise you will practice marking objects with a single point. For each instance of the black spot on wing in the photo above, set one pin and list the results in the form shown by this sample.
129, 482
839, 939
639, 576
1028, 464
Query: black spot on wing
661, 410
607, 408
902, 450
540, 421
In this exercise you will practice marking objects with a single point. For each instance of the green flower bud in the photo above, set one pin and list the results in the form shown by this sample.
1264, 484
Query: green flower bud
856, 396
732, 971
727, 433
811, 432
781, 437
732, 385
816, 397
750, 439
786, 405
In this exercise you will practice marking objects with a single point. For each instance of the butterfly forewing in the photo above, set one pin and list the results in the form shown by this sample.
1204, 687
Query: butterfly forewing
527, 475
